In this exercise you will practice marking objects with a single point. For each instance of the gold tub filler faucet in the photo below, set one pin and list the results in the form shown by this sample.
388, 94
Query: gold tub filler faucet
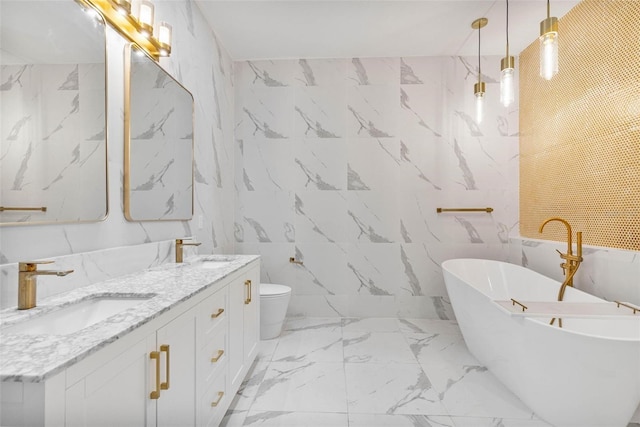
571, 261
27, 274
180, 244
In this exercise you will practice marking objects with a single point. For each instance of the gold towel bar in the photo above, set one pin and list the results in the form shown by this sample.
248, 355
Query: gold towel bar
487, 210
6, 208
635, 309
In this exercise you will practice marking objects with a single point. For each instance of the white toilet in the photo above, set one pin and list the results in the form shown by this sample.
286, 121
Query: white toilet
274, 300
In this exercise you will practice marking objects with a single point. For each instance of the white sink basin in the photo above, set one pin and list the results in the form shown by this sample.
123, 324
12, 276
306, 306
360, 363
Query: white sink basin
213, 264
75, 317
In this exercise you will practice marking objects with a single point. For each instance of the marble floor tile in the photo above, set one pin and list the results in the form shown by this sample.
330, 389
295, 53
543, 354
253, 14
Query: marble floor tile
309, 346
390, 388
497, 422
376, 347
442, 356
429, 326
249, 387
296, 419
384, 420
266, 348
333, 324
306, 387
234, 417
374, 324
478, 393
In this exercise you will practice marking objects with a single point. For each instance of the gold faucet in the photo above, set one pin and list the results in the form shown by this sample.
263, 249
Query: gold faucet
571, 263
180, 244
27, 274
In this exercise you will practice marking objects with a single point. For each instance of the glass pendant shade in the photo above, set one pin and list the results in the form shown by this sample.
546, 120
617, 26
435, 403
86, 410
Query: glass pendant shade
549, 48
507, 89
164, 38
479, 89
145, 17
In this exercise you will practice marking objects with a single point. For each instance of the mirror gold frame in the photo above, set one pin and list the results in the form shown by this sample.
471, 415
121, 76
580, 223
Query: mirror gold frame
50, 44
156, 191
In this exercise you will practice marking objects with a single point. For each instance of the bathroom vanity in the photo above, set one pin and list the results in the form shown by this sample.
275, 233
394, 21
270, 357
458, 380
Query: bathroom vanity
173, 349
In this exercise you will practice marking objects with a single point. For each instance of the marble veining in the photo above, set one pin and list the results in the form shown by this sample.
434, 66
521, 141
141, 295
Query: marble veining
34, 358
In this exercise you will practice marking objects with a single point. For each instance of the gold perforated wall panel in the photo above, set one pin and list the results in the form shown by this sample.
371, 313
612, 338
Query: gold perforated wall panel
580, 132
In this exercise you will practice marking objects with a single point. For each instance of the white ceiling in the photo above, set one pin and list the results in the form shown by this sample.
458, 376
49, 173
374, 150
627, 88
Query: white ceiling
277, 29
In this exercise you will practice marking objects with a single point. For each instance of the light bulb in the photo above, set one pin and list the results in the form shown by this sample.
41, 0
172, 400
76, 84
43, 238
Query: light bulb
548, 55
479, 107
145, 17
506, 87
164, 33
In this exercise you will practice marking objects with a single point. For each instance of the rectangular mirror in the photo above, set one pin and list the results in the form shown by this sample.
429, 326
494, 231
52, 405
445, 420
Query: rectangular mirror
158, 170
53, 160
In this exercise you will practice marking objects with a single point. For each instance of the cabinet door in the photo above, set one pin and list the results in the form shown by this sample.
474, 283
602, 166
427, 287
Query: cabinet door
252, 317
115, 394
237, 295
176, 344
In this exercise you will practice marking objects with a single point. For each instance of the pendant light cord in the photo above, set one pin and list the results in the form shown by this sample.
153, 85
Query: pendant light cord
548, 8
507, 56
479, 66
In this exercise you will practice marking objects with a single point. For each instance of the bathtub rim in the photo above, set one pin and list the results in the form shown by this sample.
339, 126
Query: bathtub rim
541, 320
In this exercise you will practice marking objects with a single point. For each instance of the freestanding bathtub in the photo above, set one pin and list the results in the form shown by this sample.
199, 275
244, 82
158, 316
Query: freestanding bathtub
586, 374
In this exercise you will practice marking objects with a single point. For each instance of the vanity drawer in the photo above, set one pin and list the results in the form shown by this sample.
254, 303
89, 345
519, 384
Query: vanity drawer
214, 402
212, 316
212, 358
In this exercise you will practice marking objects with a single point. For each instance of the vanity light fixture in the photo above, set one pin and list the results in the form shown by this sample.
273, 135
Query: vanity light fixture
138, 26
549, 46
479, 88
507, 66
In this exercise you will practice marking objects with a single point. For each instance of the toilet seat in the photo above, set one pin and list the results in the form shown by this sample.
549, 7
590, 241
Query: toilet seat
272, 290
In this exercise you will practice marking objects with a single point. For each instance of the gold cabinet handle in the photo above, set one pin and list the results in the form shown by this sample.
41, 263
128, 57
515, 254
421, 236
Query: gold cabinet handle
216, 315
247, 283
154, 355
215, 359
165, 385
220, 394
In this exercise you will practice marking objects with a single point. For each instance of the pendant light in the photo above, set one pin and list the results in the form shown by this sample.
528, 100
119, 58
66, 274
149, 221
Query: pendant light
549, 46
507, 65
479, 88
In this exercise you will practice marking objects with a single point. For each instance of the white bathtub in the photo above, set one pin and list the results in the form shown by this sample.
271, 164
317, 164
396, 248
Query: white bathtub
586, 374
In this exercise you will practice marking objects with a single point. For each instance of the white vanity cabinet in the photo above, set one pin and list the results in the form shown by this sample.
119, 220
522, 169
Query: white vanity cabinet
244, 333
175, 370
151, 383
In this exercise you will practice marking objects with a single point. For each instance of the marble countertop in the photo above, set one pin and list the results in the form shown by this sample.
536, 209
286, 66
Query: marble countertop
34, 358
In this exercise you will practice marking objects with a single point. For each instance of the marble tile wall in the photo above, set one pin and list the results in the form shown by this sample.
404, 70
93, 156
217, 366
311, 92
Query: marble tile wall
612, 274
204, 67
341, 163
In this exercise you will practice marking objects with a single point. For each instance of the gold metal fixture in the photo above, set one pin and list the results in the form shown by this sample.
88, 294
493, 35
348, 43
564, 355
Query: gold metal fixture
216, 358
548, 45
137, 29
155, 355
292, 260
507, 66
635, 309
514, 302
220, 394
571, 263
218, 313
7, 208
27, 274
487, 210
180, 244
479, 88
165, 348
247, 283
